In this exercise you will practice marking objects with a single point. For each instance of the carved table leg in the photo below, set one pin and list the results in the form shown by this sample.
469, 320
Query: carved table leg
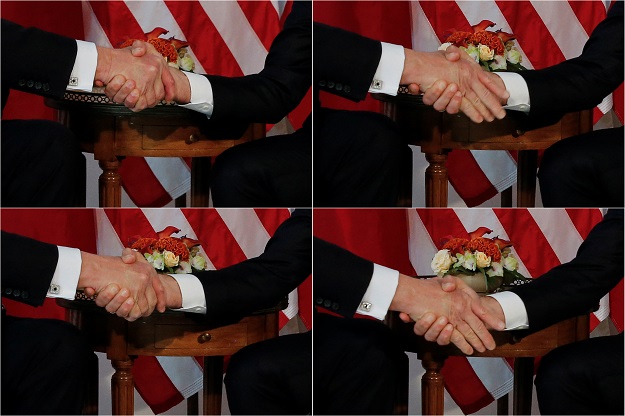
110, 184
122, 388
432, 386
523, 376
436, 180
527, 165
213, 376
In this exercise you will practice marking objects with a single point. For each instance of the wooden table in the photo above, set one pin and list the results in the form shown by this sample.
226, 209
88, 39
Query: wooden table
166, 334
509, 344
111, 132
438, 133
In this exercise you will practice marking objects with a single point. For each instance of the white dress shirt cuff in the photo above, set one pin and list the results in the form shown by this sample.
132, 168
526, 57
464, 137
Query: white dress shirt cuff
380, 292
65, 279
193, 299
201, 94
83, 73
513, 309
387, 76
519, 93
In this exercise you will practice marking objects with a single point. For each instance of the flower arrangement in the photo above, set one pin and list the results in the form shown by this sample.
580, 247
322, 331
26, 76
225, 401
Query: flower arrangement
173, 50
169, 254
494, 51
490, 257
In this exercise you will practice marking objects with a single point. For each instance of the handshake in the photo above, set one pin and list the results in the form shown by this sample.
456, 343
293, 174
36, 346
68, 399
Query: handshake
127, 286
446, 310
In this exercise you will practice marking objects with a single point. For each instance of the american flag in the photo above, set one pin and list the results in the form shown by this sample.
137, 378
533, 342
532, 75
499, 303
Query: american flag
548, 32
406, 240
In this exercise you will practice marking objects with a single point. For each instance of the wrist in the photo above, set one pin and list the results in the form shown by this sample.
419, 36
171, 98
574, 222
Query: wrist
182, 94
172, 291
90, 266
406, 293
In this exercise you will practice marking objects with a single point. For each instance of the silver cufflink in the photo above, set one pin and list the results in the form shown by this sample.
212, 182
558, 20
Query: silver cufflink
365, 306
73, 81
55, 289
376, 84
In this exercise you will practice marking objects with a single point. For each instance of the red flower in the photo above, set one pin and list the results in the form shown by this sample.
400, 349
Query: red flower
173, 244
486, 246
456, 245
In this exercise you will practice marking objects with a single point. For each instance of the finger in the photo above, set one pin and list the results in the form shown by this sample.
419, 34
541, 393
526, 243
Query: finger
481, 332
139, 48
141, 104
433, 93
470, 111
448, 283
470, 335
499, 90
113, 305
126, 307
454, 104
458, 340
447, 95
479, 106
161, 298
434, 331
132, 99
169, 84
151, 298
133, 313
422, 324
106, 295
124, 91
444, 338
89, 291
114, 86
414, 89
490, 320
98, 83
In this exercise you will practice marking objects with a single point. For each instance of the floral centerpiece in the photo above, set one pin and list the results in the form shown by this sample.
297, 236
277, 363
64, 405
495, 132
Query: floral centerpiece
169, 254
494, 51
173, 50
486, 263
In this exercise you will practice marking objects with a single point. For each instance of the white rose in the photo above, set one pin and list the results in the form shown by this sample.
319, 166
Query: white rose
514, 56
442, 262
495, 269
468, 261
158, 261
498, 63
444, 46
486, 53
510, 263
186, 63
184, 267
473, 52
482, 260
198, 262
171, 260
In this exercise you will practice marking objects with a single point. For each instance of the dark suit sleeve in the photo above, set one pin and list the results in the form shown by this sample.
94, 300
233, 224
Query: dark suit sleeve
575, 288
27, 268
344, 62
261, 282
580, 83
340, 278
36, 61
286, 77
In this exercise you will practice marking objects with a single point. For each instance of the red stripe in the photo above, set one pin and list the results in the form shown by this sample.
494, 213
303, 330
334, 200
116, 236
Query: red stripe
441, 223
304, 299
589, 13
217, 240
154, 385
584, 219
142, 186
445, 17
206, 41
616, 306
468, 179
532, 34
263, 18
130, 223
464, 386
529, 241
117, 20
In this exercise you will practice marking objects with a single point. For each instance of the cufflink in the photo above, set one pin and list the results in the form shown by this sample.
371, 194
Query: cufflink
365, 306
54, 289
73, 81
376, 84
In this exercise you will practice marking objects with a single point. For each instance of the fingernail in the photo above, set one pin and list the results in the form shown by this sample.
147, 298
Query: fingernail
124, 292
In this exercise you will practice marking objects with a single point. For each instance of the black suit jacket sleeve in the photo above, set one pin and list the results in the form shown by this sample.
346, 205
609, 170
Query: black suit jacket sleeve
35, 61
344, 62
27, 268
261, 282
271, 94
575, 288
580, 83
340, 278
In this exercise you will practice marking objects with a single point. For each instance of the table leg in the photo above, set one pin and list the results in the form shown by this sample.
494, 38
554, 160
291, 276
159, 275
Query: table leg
200, 180
527, 165
432, 385
110, 184
122, 388
436, 180
523, 376
213, 378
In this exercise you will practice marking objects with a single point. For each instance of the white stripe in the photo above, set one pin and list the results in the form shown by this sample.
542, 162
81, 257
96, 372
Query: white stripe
153, 14
498, 166
423, 35
184, 373
563, 25
559, 231
606, 104
247, 230
421, 248
495, 374
604, 308
160, 219
293, 308
107, 240
93, 29
173, 173
238, 34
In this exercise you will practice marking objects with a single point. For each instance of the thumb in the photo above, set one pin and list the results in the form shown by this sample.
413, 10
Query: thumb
138, 48
452, 53
448, 284
405, 317
128, 256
